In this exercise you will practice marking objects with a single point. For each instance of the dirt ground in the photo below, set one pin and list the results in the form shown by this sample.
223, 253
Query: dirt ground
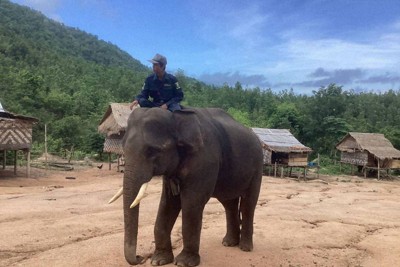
59, 218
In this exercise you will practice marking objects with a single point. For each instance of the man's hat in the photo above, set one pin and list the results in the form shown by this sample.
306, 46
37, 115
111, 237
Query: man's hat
159, 59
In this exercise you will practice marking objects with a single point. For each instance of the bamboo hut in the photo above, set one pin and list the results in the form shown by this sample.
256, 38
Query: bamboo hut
113, 126
369, 151
15, 135
282, 149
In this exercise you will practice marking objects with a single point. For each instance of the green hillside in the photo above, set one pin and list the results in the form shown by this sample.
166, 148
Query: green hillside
66, 78
61, 75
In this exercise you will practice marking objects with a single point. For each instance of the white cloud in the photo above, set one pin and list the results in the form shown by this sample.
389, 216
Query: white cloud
49, 8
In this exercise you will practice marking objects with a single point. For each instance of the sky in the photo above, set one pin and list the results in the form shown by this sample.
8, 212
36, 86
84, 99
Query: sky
278, 44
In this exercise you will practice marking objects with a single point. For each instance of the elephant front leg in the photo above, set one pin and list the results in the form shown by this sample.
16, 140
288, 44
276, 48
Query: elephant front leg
168, 211
192, 216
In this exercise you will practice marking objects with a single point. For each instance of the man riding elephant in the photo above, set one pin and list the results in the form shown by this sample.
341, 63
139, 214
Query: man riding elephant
201, 153
161, 86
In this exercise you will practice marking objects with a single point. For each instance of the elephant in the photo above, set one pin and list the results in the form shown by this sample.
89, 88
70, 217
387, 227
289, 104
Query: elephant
200, 153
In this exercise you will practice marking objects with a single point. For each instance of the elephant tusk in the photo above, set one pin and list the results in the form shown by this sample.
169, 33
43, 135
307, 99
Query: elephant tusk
140, 195
116, 196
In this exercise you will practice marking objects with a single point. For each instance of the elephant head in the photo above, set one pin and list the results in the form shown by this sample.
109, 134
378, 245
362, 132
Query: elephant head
154, 143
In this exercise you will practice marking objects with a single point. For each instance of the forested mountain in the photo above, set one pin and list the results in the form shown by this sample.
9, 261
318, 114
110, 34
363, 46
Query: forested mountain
66, 78
61, 75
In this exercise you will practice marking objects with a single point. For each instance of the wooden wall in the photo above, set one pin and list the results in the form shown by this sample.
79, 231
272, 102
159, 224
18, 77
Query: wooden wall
15, 134
355, 158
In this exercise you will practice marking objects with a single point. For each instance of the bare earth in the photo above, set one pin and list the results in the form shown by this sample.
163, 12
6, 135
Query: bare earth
48, 220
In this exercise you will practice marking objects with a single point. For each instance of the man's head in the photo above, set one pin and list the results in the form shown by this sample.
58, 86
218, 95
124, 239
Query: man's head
160, 60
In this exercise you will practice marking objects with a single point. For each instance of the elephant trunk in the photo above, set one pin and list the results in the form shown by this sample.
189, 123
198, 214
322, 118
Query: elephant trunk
131, 220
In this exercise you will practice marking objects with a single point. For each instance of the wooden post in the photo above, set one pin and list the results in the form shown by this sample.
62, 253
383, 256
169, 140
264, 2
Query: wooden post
118, 157
378, 171
275, 170
318, 167
15, 162
45, 146
365, 171
281, 171
4, 159
28, 164
109, 161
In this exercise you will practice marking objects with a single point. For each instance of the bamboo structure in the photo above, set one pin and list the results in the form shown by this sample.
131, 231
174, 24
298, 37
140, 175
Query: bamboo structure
113, 126
16, 135
282, 149
369, 151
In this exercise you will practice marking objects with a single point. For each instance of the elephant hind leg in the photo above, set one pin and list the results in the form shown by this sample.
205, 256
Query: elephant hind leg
232, 236
248, 205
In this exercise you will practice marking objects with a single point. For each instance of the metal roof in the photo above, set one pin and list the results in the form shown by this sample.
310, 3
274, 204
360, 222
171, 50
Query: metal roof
280, 140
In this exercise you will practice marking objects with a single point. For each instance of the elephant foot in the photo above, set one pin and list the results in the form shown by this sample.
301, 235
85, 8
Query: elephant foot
246, 245
187, 259
162, 258
230, 241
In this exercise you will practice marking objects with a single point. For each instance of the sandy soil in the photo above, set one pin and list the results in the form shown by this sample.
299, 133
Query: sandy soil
49, 220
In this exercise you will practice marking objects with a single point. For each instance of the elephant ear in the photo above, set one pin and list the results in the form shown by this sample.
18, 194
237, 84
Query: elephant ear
156, 134
188, 130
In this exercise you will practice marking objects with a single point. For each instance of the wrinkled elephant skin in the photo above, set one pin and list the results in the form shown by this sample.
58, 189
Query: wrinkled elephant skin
201, 153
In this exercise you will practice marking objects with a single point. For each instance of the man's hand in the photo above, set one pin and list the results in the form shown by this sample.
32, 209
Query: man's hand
164, 106
133, 104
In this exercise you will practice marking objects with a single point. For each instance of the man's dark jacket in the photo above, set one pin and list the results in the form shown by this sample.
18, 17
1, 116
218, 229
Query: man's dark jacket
165, 91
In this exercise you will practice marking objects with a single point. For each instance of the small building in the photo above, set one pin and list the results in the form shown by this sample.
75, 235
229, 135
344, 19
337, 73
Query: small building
113, 126
369, 151
15, 135
282, 149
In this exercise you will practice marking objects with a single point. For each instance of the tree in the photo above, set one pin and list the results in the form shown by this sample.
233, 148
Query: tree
286, 116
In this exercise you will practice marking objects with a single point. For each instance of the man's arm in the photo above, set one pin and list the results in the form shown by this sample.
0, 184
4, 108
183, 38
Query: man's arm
178, 93
143, 95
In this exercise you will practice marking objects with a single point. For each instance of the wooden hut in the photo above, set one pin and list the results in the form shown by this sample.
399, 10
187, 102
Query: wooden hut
15, 135
113, 125
369, 151
282, 149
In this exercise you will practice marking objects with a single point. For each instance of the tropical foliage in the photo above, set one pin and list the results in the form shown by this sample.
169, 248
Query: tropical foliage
66, 78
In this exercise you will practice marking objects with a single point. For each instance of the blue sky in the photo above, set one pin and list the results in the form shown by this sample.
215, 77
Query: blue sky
282, 44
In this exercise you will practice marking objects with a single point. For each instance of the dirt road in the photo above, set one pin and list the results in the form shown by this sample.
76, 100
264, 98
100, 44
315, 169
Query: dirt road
49, 220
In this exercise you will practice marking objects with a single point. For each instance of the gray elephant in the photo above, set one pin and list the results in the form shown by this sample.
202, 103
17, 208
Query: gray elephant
201, 153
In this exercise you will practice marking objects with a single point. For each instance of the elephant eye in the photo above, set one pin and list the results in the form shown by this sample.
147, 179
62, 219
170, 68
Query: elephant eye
152, 152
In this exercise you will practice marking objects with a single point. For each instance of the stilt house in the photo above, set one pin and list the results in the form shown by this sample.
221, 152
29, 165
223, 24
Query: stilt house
113, 126
368, 150
282, 148
15, 135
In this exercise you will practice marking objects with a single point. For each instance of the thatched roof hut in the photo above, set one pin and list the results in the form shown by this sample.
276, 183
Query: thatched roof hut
115, 119
113, 125
281, 147
368, 150
15, 134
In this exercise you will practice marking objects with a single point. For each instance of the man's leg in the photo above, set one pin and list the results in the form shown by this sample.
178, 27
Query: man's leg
145, 103
174, 106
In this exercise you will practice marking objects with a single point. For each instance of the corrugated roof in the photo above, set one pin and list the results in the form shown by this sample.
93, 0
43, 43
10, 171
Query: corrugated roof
5, 115
374, 143
115, 119
280, 140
